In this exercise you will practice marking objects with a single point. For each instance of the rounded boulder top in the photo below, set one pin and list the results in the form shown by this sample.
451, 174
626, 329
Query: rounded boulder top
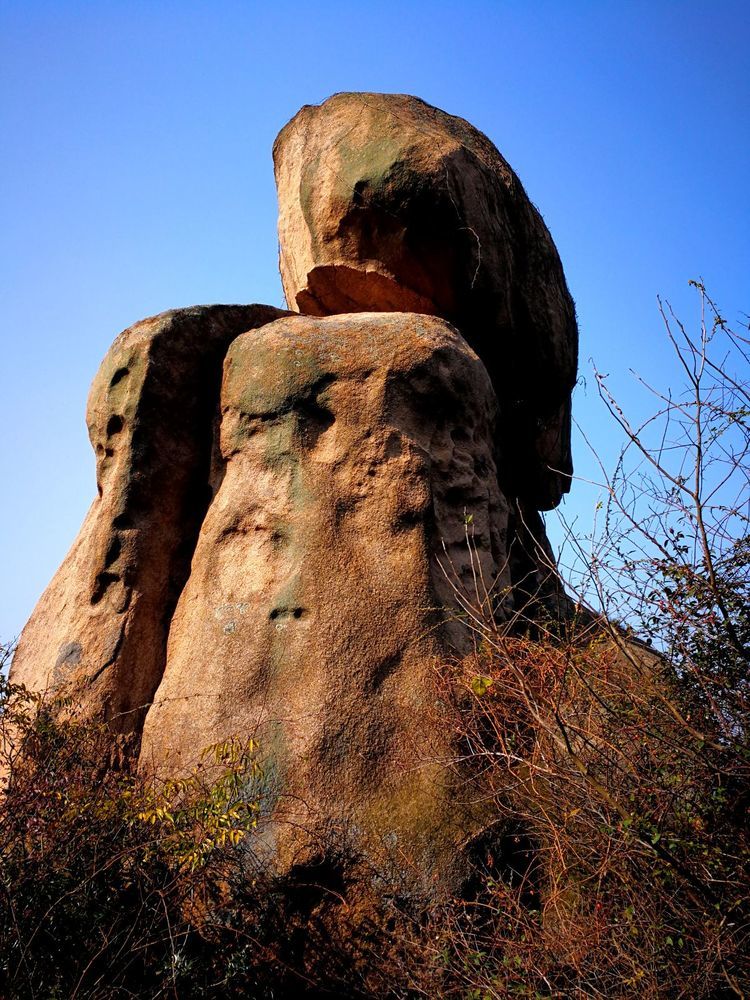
389, 204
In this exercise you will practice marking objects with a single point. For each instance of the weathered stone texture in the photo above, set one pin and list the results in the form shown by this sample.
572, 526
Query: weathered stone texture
320, 600
287, 546
102, 623
386, 203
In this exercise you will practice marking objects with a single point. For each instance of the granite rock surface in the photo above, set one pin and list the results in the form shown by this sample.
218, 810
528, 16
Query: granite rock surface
322, 604
387, 203
101, 626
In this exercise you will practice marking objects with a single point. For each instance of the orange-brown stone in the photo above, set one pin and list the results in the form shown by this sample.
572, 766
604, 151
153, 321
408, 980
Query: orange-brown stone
101, 625
387, 203
326, 589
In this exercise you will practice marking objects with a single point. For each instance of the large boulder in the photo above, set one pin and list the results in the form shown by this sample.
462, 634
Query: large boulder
357, 521
387, 203
101, 626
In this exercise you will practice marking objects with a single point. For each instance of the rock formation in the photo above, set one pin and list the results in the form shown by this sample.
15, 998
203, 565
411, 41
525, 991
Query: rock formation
102, 624
287, 550
387, 203
313, 617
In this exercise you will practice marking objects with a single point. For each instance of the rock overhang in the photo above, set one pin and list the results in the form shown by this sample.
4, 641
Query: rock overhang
386, 202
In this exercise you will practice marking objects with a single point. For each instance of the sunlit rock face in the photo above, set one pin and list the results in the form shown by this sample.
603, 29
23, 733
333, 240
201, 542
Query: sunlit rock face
318, 609
388, 203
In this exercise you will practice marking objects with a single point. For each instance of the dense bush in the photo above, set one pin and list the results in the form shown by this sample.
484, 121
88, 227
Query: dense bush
109, 882
632, 872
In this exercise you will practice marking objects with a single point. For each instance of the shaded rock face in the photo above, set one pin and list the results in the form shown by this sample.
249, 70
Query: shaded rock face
319, 604
101, 626
387, 203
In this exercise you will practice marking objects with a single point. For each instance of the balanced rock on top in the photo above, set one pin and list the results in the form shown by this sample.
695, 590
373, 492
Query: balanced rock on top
387, 203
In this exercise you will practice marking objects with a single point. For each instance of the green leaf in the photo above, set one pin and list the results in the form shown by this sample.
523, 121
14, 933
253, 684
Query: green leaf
480, 685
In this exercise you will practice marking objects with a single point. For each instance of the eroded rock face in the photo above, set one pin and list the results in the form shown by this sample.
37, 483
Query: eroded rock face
323, 590
101, 625
387, 203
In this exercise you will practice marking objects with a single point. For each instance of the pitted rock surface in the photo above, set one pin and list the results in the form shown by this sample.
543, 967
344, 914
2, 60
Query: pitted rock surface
101, 626
321, 607
387, 203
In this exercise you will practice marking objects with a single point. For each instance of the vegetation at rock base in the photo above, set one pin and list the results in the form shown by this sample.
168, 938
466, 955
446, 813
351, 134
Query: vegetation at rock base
612, 749
619, 743
104, 875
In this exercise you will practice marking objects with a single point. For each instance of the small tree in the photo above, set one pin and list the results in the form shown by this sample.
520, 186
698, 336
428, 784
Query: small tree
674, 558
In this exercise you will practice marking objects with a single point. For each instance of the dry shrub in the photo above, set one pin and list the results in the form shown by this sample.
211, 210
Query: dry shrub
626, 871
621, 751
103, 874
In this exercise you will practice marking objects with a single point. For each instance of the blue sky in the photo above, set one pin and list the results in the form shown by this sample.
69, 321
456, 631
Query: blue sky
136, 176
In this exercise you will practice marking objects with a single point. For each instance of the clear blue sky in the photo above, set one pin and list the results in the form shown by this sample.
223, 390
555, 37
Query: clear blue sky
136, 176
